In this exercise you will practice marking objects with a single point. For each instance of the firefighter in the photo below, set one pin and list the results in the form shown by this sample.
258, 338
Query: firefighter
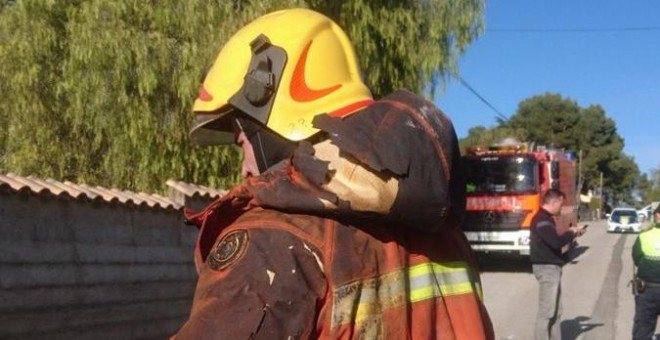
646, 256
347, 224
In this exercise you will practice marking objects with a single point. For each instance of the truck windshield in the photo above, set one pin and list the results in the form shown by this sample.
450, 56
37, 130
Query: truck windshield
500, 175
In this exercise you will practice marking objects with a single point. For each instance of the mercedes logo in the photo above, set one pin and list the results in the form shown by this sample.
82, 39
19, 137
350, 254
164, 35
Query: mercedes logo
489, 216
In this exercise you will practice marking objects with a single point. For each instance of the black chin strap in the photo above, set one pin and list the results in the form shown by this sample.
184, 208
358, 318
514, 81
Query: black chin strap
269, 147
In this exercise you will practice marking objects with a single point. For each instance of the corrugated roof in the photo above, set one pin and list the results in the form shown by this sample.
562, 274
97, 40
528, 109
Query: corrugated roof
192, 190
13, 182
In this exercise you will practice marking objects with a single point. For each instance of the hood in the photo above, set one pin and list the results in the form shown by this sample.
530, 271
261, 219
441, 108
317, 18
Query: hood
395, 161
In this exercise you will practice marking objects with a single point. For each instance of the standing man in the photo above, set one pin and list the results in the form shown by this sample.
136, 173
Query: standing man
547, 262
646, 255
347, 225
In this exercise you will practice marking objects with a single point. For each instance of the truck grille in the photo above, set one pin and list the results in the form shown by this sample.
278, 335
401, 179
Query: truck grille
493, 220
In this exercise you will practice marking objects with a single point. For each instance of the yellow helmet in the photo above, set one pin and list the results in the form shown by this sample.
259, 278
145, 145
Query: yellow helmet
282, 69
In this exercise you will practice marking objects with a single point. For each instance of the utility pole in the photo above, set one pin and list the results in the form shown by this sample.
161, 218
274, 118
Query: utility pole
579, 183
601, 195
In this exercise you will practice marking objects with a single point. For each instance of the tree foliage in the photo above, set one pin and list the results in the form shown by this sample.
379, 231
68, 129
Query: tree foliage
649, 186
99, 91
481, 135
559, 122
406, 44
548, 119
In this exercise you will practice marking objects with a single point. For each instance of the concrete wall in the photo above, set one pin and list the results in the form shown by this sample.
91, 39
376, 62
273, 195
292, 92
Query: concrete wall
88, 269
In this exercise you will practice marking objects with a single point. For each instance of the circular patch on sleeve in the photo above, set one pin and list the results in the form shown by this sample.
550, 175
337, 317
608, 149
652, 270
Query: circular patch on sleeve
229, 250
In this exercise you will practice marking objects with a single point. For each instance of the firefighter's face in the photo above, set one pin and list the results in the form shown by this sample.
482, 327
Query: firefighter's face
249, 167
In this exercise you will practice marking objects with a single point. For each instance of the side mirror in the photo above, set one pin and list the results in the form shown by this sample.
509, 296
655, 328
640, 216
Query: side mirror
554, 170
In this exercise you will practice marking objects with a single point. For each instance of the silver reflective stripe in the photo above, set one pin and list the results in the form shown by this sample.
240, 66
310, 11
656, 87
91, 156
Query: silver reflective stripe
430, 280
363, 302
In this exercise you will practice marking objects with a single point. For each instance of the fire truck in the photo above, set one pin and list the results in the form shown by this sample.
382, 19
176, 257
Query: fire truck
505, 186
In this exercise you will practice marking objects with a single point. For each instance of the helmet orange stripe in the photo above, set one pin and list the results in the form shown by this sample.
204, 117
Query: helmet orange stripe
300, 92
204, 95
341, 112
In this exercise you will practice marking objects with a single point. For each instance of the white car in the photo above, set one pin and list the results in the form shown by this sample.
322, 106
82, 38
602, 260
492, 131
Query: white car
623, 220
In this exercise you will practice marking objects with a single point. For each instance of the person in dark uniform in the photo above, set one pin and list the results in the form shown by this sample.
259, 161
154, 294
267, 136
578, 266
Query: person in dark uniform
646, 255
547, 262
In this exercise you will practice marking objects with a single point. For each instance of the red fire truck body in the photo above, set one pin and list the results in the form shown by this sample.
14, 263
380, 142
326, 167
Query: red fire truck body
505, 186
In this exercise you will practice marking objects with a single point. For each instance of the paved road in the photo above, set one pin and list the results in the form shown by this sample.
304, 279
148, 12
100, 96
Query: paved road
597, 302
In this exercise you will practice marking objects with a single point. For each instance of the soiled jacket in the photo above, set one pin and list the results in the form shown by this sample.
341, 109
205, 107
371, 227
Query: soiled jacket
355, 237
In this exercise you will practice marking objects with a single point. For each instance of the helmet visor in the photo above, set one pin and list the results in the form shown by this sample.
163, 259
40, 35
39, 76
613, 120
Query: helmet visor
214, 128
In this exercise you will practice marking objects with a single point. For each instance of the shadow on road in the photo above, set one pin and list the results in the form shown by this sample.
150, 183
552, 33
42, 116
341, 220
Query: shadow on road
572, 328
504, 263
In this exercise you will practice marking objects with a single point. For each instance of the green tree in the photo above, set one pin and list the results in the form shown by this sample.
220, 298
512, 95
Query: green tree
480, 135
651, 188
99, 91
560, 122
602, 149
547, 119
644, 187
5, 3
621, 178
407, 44
33, 131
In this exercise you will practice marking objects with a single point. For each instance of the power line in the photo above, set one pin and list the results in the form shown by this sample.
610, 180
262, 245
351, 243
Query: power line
549, 30
471, 89
575, 30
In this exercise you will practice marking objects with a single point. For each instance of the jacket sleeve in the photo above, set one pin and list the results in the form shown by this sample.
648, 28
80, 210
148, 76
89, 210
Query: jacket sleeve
265, 285
637, 252
548, 233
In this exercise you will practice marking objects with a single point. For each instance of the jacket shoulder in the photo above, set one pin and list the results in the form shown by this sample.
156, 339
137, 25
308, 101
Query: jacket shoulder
309, 227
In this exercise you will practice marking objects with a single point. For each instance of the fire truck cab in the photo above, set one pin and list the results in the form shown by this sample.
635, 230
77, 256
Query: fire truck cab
505, 186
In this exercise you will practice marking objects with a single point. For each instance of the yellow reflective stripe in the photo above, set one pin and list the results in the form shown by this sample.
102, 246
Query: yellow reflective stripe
445, 290
430, 280
362, 301
371, 296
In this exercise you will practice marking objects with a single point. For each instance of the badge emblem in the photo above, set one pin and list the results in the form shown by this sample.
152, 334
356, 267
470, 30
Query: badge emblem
229, 250
489, 217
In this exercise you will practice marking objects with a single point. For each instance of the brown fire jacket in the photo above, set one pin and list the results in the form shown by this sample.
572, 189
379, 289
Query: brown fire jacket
354, 237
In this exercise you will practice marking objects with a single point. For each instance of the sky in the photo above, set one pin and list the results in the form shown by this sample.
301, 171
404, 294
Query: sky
596, 52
